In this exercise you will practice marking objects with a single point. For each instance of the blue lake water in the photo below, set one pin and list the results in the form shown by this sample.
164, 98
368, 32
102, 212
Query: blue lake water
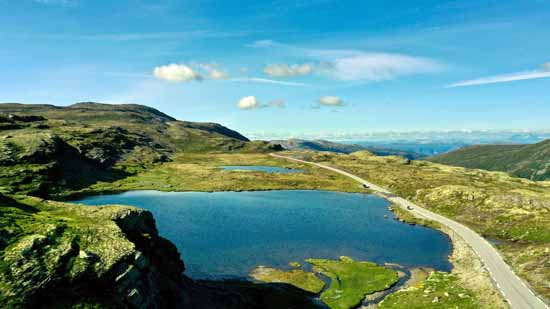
226, 234
261, 168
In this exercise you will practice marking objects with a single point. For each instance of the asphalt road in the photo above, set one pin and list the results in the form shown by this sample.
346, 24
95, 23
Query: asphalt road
514, 290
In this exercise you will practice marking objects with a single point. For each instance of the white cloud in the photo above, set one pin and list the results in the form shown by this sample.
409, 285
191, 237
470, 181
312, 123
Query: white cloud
331, 101
502, 78
285, 70
381, 66
176, 73
267, 81
249, 102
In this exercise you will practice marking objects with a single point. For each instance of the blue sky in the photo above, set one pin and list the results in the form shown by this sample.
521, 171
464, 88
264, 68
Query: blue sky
307, 66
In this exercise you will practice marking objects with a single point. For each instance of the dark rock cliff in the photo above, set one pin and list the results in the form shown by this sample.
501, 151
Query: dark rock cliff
107, 256
59, 255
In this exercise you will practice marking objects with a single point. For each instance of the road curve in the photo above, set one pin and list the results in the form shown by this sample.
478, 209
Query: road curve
514, 290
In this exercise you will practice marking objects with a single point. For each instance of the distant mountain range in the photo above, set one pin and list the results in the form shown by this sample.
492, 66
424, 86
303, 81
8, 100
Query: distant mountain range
323, 145
465, 137
530, 161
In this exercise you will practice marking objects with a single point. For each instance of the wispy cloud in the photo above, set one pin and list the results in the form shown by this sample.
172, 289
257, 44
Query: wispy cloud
350, 64
267, 81
214, 71
526, 75
382, 66
286, 70
184, 73
252, 102
65, 3
277, 104
140, 36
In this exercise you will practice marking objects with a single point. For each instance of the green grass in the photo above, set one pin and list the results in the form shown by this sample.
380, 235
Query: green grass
527, 161
439, 291
202, 172
301, 279
352, 280
513, 210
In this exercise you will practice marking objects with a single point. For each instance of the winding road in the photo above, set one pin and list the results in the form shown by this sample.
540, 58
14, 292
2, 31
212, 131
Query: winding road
514, 290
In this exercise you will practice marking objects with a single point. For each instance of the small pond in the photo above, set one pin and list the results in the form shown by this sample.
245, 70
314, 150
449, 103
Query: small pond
261, 168
226, 234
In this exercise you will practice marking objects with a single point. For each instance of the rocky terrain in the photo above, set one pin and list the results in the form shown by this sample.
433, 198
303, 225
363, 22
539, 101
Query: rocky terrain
531, 161
61, 254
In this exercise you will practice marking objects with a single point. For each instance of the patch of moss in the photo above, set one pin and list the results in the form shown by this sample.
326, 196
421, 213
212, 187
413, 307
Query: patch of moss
440, 290
352, 280
301, 279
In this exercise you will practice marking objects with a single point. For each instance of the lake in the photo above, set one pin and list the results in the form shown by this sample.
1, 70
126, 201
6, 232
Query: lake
226, 234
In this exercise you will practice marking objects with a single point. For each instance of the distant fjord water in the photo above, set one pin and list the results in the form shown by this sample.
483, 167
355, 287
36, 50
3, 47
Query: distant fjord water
227, 234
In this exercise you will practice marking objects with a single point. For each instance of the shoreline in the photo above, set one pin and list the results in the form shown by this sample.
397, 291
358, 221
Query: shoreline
76, 195
512, 290
450, 239
467, 266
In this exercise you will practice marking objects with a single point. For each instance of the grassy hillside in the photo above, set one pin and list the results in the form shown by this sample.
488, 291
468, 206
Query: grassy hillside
45, 148
515, 212
60, 255
526, 161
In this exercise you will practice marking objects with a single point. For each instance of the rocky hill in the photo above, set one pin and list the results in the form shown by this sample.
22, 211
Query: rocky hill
46, 148
62, 255
527, 161
323, 145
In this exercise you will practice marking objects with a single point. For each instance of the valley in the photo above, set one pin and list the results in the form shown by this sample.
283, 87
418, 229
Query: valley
52, 156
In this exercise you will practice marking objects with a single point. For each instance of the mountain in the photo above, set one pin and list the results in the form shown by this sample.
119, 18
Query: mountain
323, 145
317, 145
530, 161
46, 148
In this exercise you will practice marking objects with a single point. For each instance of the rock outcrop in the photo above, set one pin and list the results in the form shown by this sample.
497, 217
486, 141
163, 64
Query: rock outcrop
61, 255
107, 256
